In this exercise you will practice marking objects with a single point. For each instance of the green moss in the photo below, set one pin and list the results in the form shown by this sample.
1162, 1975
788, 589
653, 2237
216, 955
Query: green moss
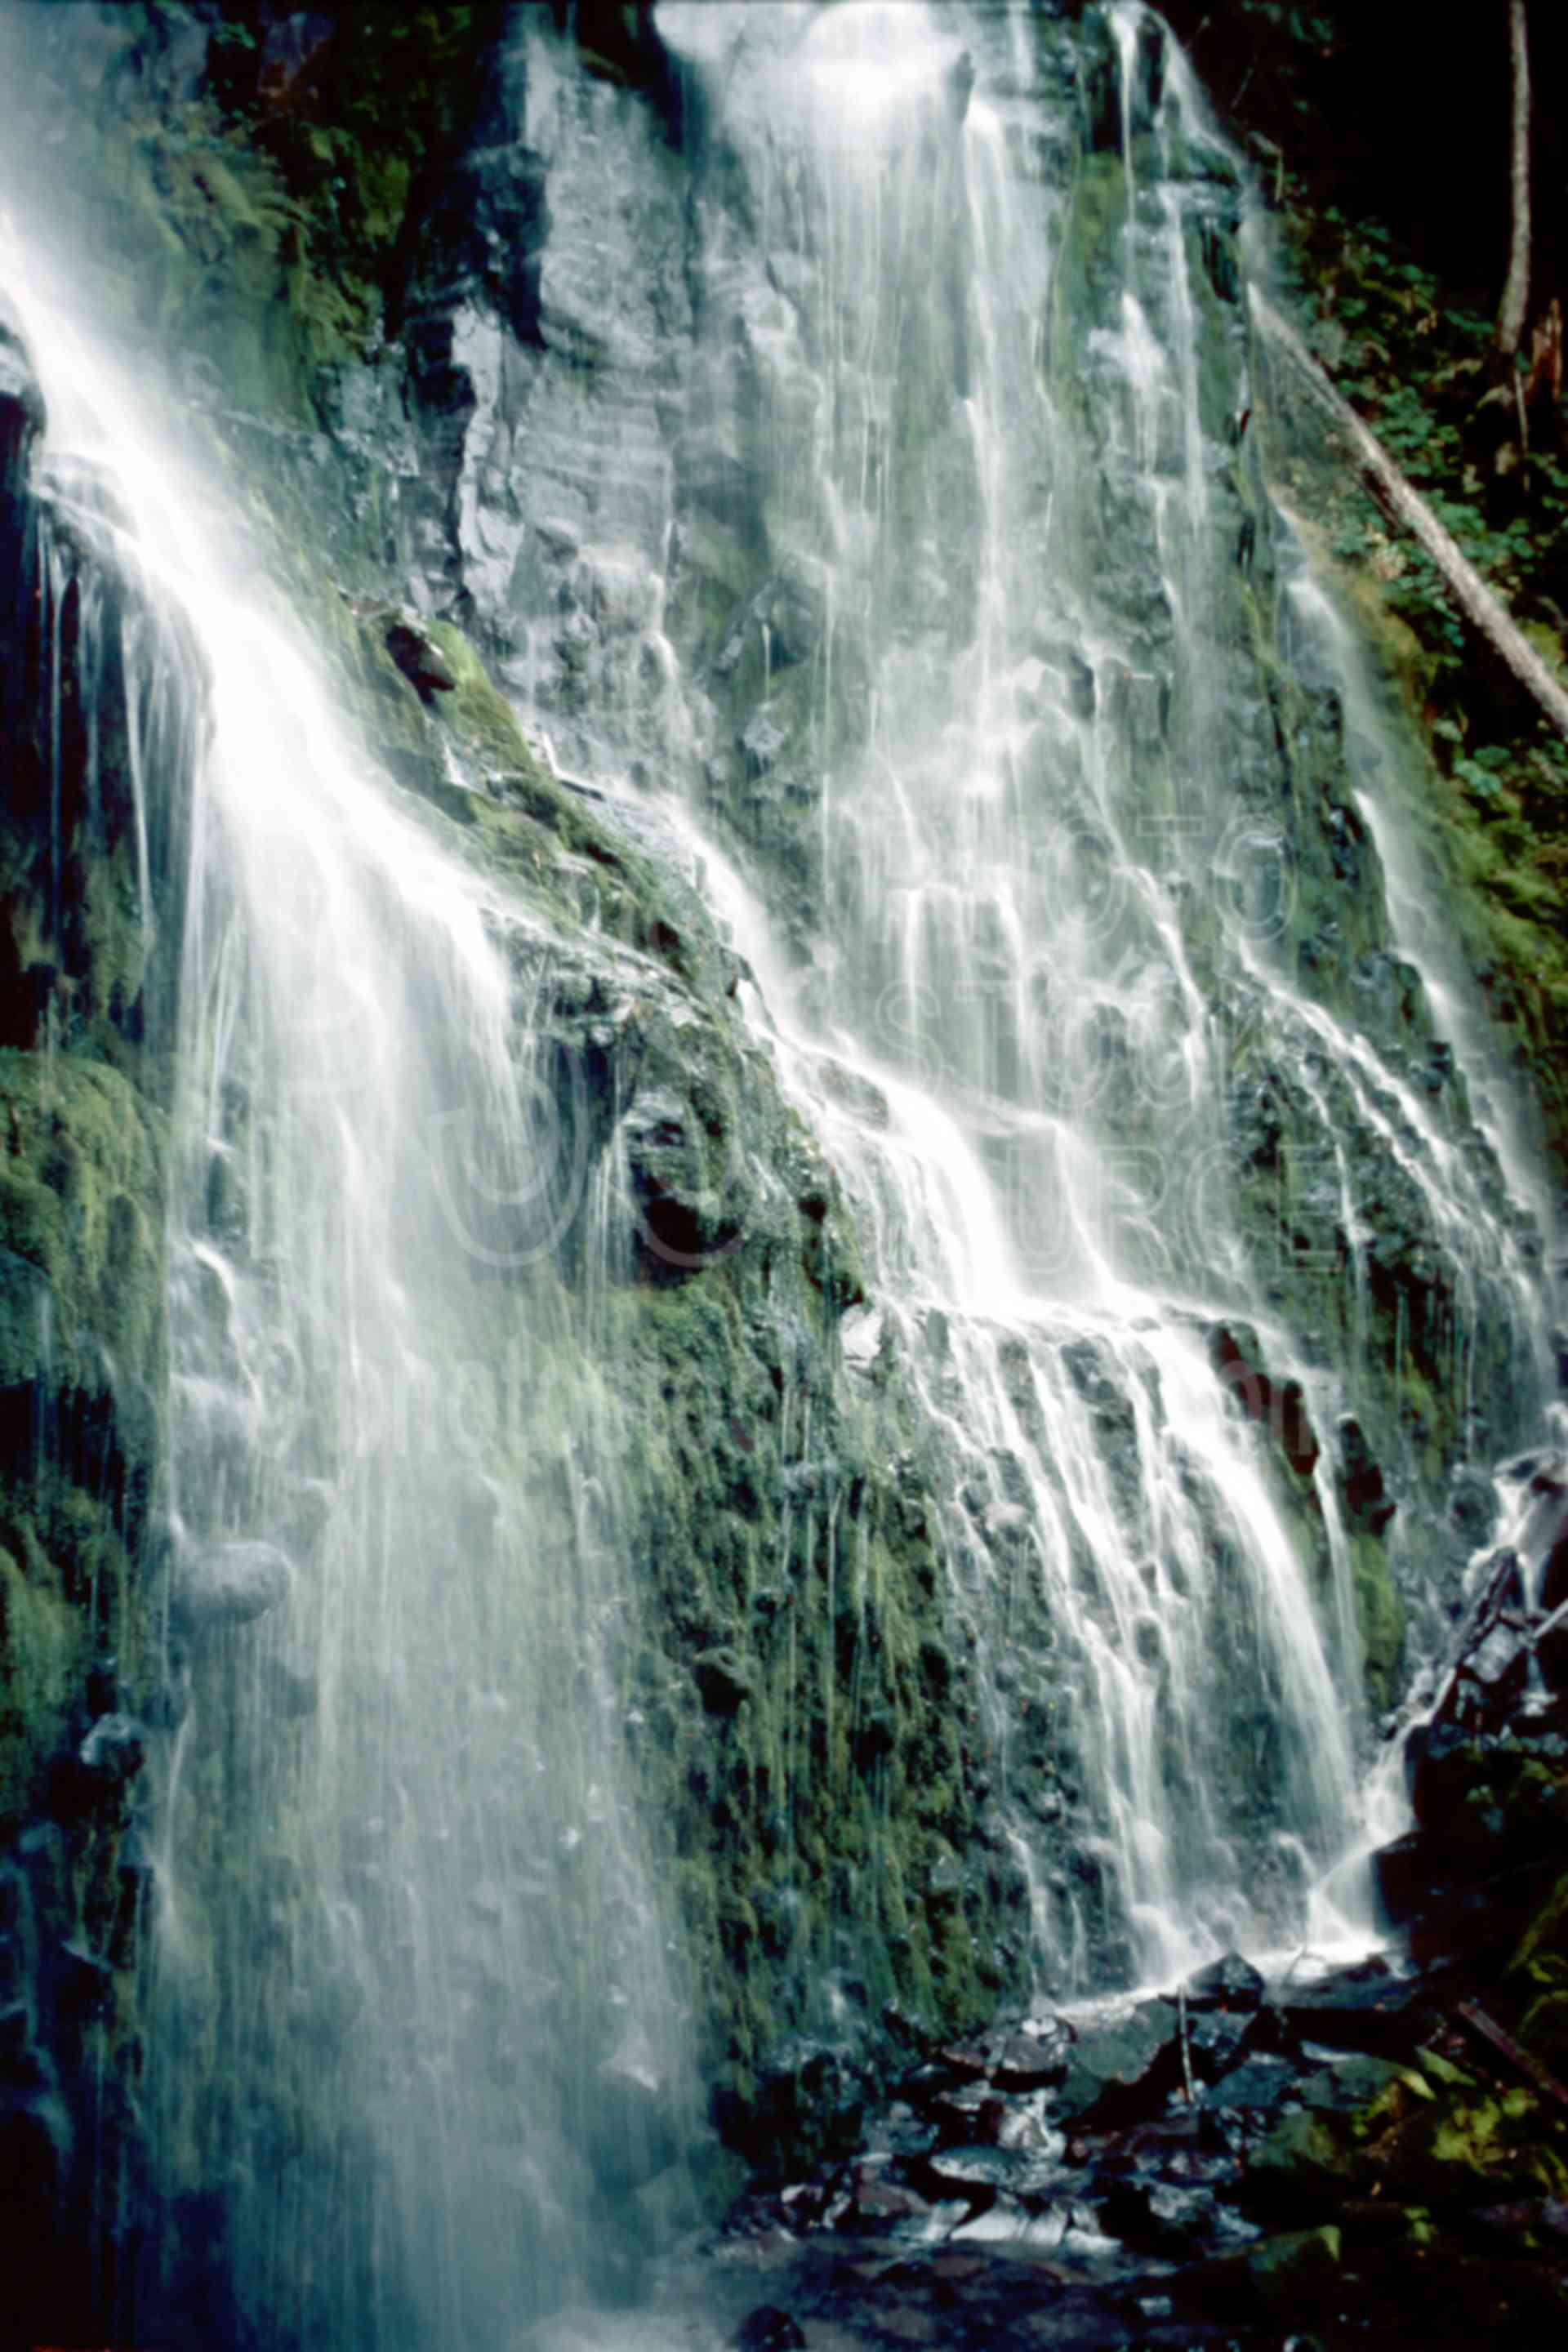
41, 1641
1542, 1954
1488, 794
80, 1199
480, 716
1380, 1615
1298, 2273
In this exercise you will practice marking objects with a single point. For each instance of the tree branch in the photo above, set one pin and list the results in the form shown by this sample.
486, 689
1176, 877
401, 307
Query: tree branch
1479, 604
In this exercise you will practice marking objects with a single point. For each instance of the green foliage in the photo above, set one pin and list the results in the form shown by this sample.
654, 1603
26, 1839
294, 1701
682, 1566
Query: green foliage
1302, 25
1416, 363
381, 100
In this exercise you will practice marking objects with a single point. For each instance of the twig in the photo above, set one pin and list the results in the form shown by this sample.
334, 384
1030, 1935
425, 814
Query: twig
1545, 2082
1479, 604
1556, 1618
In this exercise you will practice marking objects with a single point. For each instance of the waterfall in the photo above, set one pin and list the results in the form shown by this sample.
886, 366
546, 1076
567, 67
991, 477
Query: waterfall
887, 534
399, 1885
1069, 967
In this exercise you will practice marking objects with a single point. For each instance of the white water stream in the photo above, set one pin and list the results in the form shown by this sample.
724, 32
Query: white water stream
1041, 928
399, 1879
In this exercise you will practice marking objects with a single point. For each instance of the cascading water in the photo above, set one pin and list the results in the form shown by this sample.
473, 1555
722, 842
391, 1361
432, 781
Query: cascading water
973, 402
877, 526
399, 1883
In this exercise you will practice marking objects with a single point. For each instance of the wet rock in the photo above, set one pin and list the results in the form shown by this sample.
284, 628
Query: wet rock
966, 2062
768, 2329
1367, 1505
113, 1750
875, 2202
231, 1584
923, 2085
809, 2093
1403, 1875
1280, 1407
683, 1221
1157, 2218
420, 659
1543, 1546
84, 1982
1024, 2063
972, 2177
633, 2135
1363, 2008
1472, 1508
1354, 2081
723, 1679
1229, 1982
293, 49
1216, 2039
21, 406
1123, 2070
967, 2117
1302, 2166
1256, 2085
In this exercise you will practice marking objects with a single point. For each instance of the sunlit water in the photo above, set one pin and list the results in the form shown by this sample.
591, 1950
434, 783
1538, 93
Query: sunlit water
399, 1881
1037, 890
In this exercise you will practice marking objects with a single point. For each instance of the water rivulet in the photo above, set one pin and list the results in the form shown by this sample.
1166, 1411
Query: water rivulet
934, 564
685, 1410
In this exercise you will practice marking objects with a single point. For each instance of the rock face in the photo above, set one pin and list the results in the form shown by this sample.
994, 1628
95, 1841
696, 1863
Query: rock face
791, 1699
98, 766
1486, 1767
578, 461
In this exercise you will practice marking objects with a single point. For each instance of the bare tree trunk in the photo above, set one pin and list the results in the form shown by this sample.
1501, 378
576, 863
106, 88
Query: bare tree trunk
1479, 604
1516, 292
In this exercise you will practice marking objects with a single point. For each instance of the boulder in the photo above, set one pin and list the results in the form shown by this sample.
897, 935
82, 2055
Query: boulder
1229, 1982
877, 2203
1366, 2007
231, 1583
1216, 2039
1123, 2070
1158, 2218
1255, 2085
1024, 2062
768, 2329
420, 659
632, 2132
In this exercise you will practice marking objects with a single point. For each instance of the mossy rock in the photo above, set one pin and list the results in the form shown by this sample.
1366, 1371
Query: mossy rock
81, 1202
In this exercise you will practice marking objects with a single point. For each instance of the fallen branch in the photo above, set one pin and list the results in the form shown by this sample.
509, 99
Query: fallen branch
1551, 1625
1479, 604
1504, 2043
